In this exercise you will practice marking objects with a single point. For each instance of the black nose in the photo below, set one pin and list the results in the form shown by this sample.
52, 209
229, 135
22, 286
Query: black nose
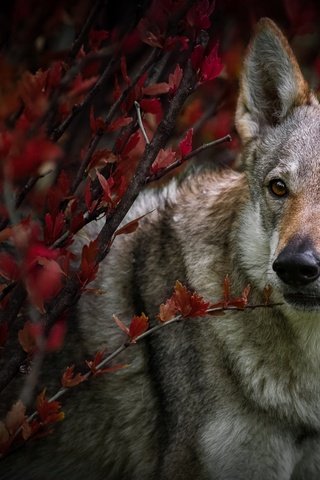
297, 266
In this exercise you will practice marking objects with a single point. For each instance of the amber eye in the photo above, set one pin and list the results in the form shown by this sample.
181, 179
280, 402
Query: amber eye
278, 188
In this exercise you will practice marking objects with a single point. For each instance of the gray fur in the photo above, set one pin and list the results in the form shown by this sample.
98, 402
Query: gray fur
232, 397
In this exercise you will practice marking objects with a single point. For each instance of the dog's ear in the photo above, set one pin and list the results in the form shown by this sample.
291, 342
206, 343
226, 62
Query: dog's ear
271, 83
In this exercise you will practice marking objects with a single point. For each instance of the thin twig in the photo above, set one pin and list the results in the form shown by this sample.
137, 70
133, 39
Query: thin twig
96, 139
20, 196
85, 28
28, 186
58, 131
16, 355
86, 160
140, 123
32, 378
205, 146
180, 161
159, 139
71, 292
139, 338
7, 290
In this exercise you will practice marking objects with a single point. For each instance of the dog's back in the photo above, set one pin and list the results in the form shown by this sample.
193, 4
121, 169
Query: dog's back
231, 397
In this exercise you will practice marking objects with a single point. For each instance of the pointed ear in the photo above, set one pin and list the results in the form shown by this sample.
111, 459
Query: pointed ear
271, 84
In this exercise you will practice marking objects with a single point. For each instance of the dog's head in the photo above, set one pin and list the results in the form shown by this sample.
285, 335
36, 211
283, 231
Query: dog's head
278, 120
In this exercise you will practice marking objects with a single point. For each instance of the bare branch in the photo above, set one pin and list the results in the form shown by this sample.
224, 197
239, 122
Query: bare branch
141, 126
159, 139
85, 29
214, 143
180, 161
96, 139
15, 355
58, 131
129, 343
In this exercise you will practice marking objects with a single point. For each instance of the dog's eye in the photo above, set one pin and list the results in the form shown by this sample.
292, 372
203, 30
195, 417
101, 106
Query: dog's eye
278, 188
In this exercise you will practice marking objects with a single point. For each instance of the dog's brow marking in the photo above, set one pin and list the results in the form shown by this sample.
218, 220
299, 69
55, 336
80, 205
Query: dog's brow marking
300, 219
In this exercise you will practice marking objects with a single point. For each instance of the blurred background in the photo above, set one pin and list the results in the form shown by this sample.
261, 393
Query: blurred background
33, 34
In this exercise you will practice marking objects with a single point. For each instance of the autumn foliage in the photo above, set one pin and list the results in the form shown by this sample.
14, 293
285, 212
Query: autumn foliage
85, 124
183, 304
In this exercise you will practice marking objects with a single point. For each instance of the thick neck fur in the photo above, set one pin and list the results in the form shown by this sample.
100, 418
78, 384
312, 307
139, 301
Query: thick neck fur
275, 349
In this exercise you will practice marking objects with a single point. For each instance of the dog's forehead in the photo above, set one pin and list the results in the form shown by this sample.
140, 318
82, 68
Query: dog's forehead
295, 144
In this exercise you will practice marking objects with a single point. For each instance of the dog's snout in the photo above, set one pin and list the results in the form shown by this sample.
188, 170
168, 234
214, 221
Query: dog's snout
297, 268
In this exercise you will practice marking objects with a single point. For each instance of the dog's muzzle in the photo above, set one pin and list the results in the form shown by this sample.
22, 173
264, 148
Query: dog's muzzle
297, 270
298, 267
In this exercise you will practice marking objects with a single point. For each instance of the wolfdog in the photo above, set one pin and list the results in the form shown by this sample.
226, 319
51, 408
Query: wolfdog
236, 397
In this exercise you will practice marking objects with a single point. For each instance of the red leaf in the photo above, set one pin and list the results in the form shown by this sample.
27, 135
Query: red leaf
49, 412
57, 193
198, 15
121, 325
93, 364
54, 75
156, 89
96, 37
241, 302
186, 144
96, 123
131, 143
151, 105
211, 66
8, 267
106, 186
26, 430
90, 204
134, 94
38, 251
15, 417
53, 227
197, 56
88, 266
226, 289
173, 42
81, 86
150, 33
181, 297
199, 306
163, 160
267, 291
5, 143
189, 304
6, 233
70, 379
43, 281
26, 233
119, 123
131, 226
76, 223
27, 338
168, 310
36, 151
32, 91
175, 79
101, 157
138, 325
56, 336
123, 66
116, 94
